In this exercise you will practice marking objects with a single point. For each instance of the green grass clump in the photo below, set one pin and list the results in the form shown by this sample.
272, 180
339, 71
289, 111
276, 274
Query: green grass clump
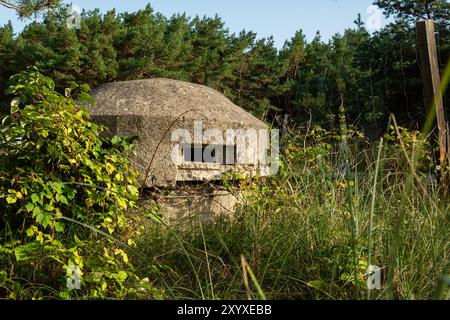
339, 204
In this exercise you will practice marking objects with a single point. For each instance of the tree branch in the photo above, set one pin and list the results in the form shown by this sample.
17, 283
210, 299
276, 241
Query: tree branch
9, 5
26, 8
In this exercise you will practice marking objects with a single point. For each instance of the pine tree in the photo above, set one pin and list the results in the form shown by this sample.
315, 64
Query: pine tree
52, 47
293, 54
309, 89
7, 59
98, 55
172, 58
239, 53
262, 82
411, 10
209, 63
139, 42
26, 8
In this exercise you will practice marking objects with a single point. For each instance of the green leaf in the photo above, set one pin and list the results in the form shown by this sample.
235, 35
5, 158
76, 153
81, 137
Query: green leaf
121, 276
316, 284
35, 198
122, 203
39, 143
71, 194
11, 199
63, 199
133, 190
116, 140
29, 206
110, 168
59, 227
47, 218
44, 218
30, 232
27, 251
58, 186
36, 211
3, 276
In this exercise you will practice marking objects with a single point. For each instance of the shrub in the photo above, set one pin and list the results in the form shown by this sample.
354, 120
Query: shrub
64, 197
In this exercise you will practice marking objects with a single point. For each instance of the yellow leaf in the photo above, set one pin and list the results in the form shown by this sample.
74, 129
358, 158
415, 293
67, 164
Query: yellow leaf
110, 168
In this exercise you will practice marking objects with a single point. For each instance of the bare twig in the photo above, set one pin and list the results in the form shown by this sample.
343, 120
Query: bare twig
147, 172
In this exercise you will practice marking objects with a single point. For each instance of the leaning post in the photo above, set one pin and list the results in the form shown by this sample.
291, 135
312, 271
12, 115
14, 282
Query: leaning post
433, 92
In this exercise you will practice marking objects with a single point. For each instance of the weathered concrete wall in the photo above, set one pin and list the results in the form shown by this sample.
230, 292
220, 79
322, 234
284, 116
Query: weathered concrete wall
194, 204
181, 205
151, 109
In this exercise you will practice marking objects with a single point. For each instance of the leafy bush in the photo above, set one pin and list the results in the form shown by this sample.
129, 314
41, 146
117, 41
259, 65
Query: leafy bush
65, 195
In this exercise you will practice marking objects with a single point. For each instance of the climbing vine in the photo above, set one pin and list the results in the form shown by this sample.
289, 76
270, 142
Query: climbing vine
67, 198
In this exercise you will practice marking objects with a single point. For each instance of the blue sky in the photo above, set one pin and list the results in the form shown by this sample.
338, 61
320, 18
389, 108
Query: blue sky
280, 18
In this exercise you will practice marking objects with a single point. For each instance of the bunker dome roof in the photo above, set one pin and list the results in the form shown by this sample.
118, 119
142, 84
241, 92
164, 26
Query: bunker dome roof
148, 108
163, 98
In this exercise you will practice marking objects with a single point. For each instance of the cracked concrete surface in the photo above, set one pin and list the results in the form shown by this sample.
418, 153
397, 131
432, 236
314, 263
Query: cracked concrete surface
151, 109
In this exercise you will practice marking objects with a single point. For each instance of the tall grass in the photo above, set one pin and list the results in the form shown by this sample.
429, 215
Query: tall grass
312, 232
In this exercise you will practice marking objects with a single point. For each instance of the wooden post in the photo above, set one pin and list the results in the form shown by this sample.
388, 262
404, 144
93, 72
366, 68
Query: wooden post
432, 82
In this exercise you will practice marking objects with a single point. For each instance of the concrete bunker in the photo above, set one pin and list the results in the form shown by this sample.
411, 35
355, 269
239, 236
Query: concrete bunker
189, 136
